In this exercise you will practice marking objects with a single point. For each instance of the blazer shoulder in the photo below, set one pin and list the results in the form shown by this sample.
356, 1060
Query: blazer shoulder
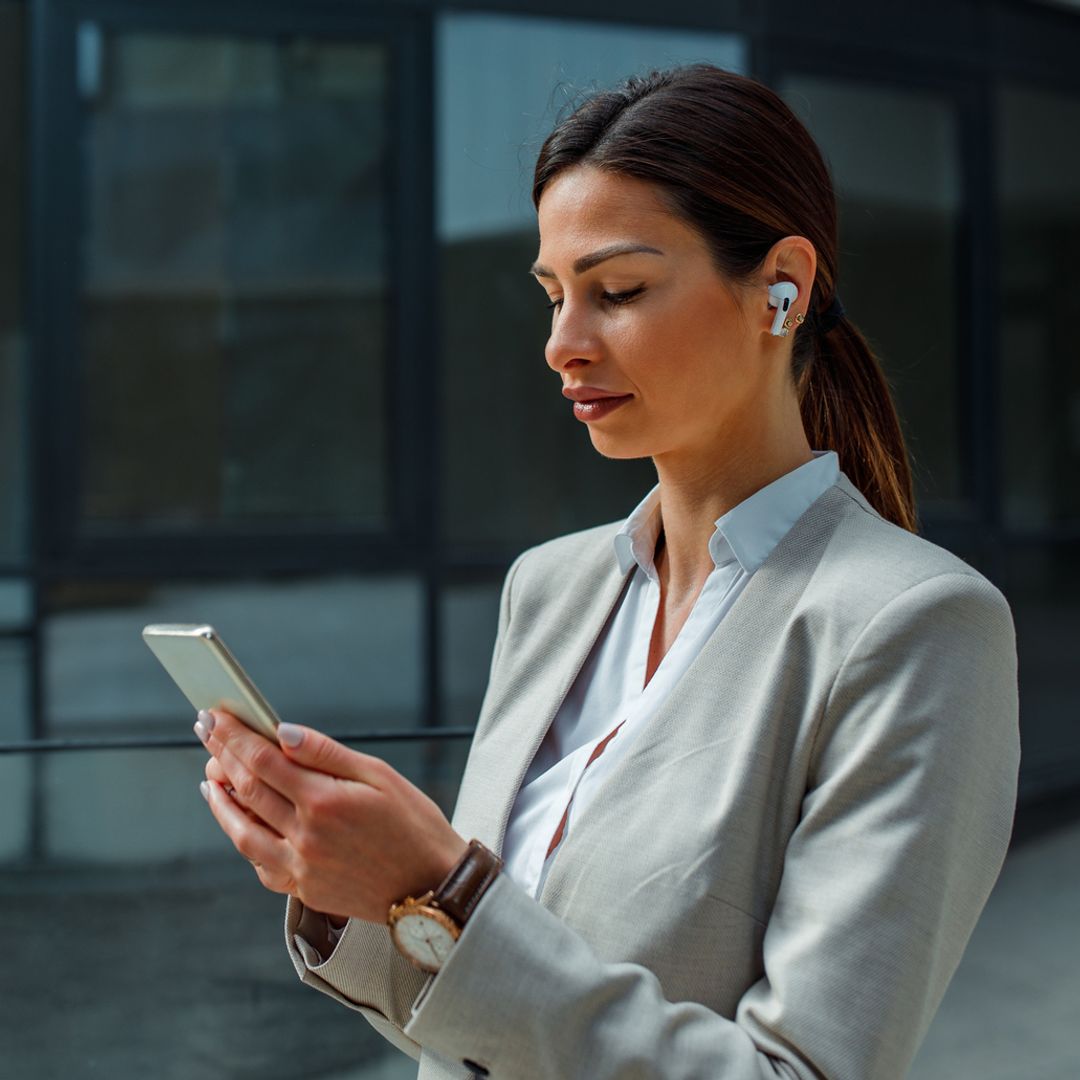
879, 560
558, 562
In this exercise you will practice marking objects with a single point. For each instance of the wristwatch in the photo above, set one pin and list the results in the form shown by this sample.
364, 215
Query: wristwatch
425, 928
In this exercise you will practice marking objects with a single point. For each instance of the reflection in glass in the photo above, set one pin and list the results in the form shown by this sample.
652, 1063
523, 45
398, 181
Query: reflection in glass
141, 944
339, 654
1039, 215
234, 283
12, 215
517, 466
895, 162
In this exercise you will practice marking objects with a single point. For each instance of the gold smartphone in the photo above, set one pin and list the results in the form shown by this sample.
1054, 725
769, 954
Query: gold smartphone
208, 674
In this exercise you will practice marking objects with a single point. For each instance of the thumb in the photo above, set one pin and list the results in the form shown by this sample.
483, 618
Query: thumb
314, 750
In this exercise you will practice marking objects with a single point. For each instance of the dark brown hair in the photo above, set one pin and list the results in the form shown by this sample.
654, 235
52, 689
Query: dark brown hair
735, 163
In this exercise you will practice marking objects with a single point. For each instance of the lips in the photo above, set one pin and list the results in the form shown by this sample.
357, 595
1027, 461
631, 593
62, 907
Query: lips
586, 394
591, 403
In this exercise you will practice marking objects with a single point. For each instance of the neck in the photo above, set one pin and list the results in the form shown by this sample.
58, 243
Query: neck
695, 490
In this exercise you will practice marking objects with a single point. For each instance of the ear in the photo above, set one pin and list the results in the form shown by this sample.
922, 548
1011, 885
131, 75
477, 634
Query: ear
794, 260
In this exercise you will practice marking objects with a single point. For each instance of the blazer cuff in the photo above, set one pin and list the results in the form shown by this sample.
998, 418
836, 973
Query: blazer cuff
450, 1014
364, 972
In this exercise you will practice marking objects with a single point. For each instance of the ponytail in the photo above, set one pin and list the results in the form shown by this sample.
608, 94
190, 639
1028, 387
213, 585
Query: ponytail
847, 406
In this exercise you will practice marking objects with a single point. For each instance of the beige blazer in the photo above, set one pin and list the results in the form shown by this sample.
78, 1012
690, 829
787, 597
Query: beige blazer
780, 876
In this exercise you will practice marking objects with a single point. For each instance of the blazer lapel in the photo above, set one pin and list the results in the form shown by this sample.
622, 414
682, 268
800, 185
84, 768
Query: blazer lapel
540, 664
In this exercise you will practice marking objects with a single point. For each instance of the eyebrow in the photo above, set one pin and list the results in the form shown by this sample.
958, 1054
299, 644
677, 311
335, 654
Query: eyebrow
587, 262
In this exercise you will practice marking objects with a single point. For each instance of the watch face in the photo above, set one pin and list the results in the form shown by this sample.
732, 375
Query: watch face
426, 941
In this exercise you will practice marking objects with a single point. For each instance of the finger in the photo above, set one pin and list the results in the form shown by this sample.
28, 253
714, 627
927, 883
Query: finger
314, 750
273, 880
253, 840
214, 771
253, 796
254, 767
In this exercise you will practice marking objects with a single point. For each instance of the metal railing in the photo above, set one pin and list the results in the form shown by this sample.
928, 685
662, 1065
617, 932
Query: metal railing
172, 742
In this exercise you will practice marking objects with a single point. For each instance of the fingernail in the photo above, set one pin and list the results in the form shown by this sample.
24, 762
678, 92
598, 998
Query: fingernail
206, 718
204, 788
290, 734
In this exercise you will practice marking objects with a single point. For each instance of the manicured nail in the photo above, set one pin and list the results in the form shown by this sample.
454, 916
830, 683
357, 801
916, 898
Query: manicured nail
290, 735
204, 787
206, 718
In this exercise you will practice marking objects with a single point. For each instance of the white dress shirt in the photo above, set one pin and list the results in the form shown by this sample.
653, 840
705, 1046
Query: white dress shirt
611, 686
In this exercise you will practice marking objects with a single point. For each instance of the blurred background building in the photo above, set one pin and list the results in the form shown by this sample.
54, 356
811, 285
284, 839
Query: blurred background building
270, 358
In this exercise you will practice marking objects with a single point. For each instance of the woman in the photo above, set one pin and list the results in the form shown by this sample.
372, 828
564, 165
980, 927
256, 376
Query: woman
749, 758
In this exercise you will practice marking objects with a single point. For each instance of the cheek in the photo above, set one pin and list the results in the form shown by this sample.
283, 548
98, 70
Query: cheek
692, 355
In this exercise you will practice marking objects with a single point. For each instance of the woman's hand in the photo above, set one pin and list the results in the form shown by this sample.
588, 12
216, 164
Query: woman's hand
342, 831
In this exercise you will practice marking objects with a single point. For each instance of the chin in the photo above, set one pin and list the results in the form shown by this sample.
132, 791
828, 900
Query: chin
618, 449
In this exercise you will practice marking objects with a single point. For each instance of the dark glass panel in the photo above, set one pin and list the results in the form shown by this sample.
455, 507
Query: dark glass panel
13, 510
1039, 221
234, 284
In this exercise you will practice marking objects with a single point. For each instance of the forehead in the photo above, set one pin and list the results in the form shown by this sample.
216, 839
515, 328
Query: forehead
586, 205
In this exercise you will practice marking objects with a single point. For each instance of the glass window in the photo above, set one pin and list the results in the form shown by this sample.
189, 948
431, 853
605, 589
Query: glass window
470, 616
517, 466
341, 654
153, 943
234, 283
1039, 235
895, 161
12, 215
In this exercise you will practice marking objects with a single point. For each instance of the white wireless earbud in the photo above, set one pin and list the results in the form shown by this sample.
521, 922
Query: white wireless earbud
781, 296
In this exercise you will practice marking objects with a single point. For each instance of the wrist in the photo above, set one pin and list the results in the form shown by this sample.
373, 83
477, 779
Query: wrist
424, 929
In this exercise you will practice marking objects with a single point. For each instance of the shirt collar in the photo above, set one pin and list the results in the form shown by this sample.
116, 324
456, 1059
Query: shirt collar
747, 532
635, 542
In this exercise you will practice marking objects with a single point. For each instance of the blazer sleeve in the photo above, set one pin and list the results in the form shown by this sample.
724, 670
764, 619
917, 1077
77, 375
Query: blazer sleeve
903, 830
363, 970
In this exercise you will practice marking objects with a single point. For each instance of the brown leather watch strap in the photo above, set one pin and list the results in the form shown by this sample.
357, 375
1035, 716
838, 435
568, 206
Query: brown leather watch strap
462, 888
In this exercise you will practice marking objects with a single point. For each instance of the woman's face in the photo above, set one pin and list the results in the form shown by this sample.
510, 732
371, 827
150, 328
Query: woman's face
655, 327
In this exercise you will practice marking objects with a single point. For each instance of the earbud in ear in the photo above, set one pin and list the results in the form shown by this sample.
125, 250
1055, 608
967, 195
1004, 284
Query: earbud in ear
781, 296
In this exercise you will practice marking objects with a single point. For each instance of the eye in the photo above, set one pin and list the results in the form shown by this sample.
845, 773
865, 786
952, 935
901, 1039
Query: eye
616, 298
610, 298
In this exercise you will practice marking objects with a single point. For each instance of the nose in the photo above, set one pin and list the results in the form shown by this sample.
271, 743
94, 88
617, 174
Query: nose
573, 341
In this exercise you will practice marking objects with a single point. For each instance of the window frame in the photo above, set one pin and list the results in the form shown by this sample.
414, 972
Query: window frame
57, 191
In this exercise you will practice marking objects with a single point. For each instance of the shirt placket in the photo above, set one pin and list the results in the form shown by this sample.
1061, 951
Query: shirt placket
642, 638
